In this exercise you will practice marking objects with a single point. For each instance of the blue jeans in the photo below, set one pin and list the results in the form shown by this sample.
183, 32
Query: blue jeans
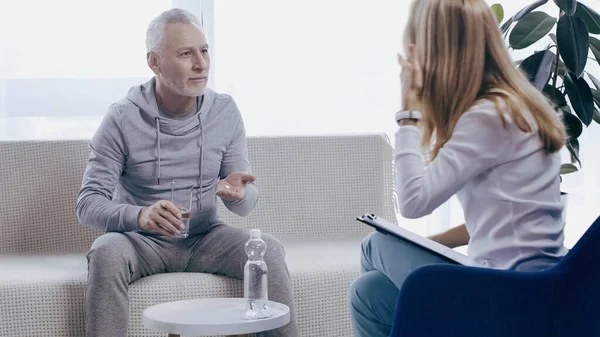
386, 262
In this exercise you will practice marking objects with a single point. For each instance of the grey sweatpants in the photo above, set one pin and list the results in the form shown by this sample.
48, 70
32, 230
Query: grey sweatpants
118, 259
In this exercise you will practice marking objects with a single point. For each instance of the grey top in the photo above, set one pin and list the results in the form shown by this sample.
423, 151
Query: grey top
136, 152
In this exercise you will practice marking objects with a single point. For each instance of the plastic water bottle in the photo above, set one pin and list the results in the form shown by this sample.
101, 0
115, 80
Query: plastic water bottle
255, 277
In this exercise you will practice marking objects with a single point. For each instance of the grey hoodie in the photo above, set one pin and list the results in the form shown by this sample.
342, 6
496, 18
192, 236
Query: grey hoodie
136, 153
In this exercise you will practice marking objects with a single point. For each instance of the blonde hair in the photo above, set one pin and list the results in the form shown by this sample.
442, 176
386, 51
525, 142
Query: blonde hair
464, 60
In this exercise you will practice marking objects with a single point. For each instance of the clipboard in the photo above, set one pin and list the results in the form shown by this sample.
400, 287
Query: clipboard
387, 227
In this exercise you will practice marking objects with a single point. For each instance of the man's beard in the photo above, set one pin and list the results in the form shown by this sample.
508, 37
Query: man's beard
183, 91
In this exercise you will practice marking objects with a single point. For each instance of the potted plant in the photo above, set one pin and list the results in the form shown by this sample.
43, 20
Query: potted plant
559, 69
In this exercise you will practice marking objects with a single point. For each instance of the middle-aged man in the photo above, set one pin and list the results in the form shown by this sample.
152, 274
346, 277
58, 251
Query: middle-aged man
170, 128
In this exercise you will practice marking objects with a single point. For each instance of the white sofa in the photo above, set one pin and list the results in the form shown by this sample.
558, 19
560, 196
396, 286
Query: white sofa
312, 188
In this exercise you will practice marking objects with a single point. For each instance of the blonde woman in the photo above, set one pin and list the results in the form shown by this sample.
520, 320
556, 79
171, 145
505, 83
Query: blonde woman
490, 138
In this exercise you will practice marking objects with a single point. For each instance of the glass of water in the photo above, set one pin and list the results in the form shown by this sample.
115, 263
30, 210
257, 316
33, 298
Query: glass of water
181, 196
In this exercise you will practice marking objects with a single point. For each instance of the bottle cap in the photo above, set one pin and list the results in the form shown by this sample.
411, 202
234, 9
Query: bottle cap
255, 233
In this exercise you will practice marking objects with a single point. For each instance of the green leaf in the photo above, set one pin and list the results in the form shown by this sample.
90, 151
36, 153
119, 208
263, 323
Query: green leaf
568, 6
595, 81
596, 96
573, 147
572, 123
527, 9
596, 116
595, 47
590, 17
581, 98
538, 68
555, 95
505, 26
530, 29
567, 168
573, 42
498, 12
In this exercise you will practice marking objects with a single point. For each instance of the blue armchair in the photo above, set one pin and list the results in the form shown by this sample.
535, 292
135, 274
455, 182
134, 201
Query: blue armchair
458, 301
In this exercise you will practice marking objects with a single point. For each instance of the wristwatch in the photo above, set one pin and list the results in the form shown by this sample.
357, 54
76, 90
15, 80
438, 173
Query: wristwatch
408, 114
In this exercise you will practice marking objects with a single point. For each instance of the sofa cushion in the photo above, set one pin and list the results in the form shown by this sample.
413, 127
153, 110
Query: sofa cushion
42, 295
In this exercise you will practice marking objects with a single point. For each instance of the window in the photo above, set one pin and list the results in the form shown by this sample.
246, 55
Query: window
64, 62
315, 67
308, 67
311, 67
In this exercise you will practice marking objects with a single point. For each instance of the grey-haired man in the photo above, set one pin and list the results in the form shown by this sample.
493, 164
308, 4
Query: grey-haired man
172, 127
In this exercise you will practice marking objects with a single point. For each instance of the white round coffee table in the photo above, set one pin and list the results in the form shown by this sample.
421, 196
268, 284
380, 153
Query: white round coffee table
211, 316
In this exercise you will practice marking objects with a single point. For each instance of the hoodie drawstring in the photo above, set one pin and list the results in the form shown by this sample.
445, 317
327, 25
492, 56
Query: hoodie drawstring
201, 140
158, 148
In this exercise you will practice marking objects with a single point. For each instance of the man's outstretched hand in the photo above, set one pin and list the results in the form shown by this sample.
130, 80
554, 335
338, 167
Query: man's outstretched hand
233, 187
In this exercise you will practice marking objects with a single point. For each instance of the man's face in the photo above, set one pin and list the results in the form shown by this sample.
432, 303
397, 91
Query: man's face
184, 63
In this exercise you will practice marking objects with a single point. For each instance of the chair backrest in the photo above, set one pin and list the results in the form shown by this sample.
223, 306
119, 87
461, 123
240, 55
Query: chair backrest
582, 260
576, 294
311, 187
